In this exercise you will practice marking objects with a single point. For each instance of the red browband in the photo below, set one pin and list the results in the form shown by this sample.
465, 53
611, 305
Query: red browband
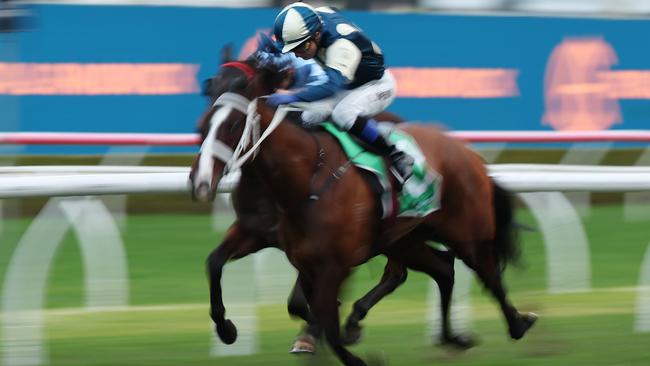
247, 69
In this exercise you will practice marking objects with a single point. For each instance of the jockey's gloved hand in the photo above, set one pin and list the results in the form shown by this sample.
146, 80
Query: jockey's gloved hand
265, 43
281, 98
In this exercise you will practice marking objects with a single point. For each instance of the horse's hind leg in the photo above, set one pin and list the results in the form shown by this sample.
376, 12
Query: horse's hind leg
489, 258
488, 270
394, 275
238, 243
417, 255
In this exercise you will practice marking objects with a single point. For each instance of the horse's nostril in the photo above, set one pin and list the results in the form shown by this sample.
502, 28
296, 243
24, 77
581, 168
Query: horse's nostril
203, 192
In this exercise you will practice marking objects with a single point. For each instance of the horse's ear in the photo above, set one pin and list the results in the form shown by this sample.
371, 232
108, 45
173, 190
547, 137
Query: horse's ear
226, 53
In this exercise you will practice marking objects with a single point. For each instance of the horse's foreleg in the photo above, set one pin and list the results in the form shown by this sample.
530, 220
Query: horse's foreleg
439, 265
394, 275
324, 305
297, 306
238, 243
297, 303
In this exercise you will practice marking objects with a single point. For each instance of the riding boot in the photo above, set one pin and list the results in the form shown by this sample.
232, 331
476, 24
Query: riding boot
366, 129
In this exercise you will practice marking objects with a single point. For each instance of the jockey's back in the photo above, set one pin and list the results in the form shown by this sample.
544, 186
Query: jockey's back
346, 49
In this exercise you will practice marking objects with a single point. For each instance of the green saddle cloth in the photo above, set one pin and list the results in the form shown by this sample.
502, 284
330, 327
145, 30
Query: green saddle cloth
421, 192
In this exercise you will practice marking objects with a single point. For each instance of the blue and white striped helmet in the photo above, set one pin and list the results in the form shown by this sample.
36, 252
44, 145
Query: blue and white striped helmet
295, 24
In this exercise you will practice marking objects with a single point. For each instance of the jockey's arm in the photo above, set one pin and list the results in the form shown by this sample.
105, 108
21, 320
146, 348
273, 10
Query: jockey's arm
306, 73
317, 91
342, 59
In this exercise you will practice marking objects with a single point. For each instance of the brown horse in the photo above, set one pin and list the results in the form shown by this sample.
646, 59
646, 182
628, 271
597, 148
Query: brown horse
255, 229
325, 237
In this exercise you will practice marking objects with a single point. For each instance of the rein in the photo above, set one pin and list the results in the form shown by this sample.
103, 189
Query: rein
253, 124
215, 148
334, 176
234, 159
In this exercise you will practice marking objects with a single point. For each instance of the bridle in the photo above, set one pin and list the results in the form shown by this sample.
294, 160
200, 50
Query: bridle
213, 148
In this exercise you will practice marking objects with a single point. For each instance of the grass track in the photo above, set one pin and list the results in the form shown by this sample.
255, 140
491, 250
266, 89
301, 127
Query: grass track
168, 324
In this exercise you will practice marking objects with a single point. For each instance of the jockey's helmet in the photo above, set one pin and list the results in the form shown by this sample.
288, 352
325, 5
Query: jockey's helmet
295, 24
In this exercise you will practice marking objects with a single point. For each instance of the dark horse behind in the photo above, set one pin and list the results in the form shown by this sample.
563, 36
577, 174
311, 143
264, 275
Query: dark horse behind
325, 238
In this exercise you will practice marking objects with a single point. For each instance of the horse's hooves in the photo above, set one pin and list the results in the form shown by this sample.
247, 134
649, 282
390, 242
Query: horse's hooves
304, 344
227, 332
462, 341
526, 321
352, 335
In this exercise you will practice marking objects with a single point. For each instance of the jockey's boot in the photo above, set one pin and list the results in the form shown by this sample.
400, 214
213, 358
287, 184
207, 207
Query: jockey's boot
366, 129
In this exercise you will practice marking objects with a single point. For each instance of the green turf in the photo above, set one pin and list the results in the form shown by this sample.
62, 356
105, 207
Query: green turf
167, 323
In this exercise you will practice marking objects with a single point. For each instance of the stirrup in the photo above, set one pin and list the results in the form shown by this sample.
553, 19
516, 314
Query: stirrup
402, 165
398, 177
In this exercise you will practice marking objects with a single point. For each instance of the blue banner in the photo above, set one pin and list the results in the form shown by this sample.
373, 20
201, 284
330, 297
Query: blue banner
466, 72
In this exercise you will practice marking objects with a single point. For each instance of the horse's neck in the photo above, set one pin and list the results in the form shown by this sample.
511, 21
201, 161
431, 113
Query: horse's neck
255, 208
288, 160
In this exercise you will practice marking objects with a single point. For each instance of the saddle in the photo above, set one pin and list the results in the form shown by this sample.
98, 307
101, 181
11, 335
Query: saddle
420, 194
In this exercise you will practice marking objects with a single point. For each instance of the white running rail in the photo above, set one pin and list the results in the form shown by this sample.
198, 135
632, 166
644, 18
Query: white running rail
83, 181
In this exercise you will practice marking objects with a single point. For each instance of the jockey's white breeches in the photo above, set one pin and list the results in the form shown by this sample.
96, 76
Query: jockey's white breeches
346, 106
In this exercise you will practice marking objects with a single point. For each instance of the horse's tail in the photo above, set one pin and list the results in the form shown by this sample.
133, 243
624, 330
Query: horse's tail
506, 239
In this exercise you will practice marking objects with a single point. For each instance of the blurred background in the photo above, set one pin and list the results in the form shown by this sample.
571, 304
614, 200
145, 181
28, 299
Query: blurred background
120, 279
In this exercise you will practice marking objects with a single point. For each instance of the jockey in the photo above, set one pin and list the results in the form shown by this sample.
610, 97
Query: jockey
358, 85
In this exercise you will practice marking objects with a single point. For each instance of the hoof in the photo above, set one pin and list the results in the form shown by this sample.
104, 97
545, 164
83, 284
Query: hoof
525, 322
352, 335
461, 342
227, 332
304, 344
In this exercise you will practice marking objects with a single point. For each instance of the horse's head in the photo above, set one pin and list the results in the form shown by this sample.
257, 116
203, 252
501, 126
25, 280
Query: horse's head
222, 125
